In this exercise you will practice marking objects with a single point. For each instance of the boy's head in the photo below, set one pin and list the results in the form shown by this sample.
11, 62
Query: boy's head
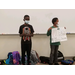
55, 21
26, 19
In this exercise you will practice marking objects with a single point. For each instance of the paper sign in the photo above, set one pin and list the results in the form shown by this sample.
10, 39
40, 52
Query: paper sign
58, 34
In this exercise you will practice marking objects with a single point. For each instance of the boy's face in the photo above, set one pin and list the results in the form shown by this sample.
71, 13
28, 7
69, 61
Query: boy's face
26, 18
56, 23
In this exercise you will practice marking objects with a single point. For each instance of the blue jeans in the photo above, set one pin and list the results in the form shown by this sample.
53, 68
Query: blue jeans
54, 54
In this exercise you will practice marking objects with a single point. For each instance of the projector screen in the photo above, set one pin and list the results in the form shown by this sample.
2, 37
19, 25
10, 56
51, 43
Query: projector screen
40, 19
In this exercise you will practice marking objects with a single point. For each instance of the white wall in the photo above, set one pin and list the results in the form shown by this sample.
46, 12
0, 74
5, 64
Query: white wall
11, 19
40, 43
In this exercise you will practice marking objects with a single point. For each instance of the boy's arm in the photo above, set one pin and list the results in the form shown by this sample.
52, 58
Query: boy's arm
20, 31
32, 32
49, 31
22, 34
30, 35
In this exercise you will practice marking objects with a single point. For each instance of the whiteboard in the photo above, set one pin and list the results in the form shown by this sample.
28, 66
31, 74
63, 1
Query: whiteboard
40, 19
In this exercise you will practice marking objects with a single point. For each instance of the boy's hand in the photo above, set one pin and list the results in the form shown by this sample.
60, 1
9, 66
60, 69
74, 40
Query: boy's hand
65, 27
24, 34
28, 35
49, 28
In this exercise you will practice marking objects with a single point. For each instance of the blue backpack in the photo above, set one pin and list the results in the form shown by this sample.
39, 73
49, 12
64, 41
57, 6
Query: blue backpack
9, 60
67, 62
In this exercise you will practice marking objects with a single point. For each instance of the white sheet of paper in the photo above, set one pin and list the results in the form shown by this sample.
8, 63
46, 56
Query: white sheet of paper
58, 34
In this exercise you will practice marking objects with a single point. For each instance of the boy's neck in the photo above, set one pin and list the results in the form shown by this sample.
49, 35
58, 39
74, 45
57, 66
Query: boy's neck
25, 24
54, 25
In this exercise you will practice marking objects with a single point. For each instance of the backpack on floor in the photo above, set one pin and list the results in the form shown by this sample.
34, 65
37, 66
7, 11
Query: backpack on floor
9, 54
9, 60
34, 57
67, 62
44, 59
2, 62
16, 58
73, 58
60, 56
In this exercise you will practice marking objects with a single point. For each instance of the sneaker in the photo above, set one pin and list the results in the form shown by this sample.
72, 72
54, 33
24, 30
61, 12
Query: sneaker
56, 64
50, 63
28, 63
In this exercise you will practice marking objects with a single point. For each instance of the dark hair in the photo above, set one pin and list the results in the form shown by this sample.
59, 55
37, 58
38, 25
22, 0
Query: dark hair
54, 20
26, 16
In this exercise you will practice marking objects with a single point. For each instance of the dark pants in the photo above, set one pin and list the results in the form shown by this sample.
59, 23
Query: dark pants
26, 46
54, 54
